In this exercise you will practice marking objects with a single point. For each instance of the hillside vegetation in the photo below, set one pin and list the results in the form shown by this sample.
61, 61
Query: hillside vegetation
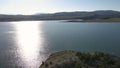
72, 59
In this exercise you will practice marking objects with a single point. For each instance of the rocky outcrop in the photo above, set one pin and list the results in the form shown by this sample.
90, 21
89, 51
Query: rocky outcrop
72, 59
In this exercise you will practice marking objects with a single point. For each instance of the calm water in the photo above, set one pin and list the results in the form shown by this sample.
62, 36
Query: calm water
26, 44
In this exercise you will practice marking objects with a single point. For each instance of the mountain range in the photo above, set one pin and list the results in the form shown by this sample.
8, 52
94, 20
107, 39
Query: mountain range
84, 15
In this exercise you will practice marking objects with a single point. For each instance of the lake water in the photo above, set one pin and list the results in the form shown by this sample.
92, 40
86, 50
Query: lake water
26, 44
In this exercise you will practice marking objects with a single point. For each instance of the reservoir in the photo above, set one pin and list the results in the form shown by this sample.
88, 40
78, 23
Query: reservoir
25, 44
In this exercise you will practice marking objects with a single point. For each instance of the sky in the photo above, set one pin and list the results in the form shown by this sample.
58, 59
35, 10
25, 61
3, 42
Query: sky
28, 7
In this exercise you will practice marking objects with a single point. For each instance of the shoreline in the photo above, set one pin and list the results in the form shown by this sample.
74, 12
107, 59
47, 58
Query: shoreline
97, 20
71, 20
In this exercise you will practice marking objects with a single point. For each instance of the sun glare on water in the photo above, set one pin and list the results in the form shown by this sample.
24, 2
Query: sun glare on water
29, 42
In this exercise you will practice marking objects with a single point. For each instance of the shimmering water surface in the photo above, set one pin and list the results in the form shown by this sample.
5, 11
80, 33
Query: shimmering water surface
26, 44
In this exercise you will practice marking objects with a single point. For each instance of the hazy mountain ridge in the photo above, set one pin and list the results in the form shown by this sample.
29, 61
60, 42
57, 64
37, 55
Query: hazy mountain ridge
101, 14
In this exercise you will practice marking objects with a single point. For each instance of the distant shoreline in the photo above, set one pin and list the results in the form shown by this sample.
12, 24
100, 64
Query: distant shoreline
97, 20
71, 20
